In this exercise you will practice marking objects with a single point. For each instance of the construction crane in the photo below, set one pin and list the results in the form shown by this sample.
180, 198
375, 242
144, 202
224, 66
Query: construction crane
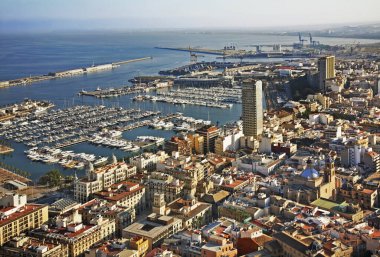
312, 42
301, 39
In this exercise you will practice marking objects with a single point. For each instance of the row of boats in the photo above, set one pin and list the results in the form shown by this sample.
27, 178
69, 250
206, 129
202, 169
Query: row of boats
121, 144
112, 139
67, 159
180, 123
62, 126
183, 101
114, 92
218, 95
150, 139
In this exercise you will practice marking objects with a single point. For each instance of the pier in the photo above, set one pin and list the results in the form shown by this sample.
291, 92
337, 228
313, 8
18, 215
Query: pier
133, 60
5, 149
125, 90
68, 73
241, 54
9, 175
211, 97
73, 142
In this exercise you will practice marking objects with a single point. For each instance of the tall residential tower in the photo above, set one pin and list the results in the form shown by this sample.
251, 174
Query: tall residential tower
252, 111
326, 68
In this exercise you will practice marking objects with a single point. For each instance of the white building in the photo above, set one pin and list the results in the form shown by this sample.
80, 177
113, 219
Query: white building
260, 163
98, 179
229, 142
148, 161
352, 155
267, 140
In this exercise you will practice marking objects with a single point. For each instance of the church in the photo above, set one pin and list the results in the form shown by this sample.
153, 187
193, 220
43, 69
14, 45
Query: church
310, 184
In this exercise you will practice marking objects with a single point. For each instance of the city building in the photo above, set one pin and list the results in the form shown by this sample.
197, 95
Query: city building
197, 143
229, 142
218, 247
148, 161
155, 228
178, 144
310, 185
371, 161
209, 134
326, 68
123, 216
24, 246
114, 248
19, 217
98, 179
162, 183
126, 194
366, 198
252, 108
69, 230
193, 214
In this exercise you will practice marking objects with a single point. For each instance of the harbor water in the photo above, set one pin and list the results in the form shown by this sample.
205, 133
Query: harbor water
27, 55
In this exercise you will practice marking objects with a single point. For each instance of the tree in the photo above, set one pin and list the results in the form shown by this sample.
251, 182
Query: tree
51, 178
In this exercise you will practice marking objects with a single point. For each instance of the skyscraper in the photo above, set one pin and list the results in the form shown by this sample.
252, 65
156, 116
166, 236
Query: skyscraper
252, 111
326, 68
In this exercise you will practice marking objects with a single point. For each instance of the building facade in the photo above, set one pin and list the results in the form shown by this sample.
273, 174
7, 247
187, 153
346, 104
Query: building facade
252, 109
326, 67
18, 217
98, 179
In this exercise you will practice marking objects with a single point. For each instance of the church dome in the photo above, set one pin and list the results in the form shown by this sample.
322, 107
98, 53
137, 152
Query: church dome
310, 173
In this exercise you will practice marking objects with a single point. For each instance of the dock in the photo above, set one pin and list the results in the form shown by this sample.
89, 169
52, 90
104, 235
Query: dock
197, 50
133, 60
72, 142
9, 175
5, 149
241, 54
67, 73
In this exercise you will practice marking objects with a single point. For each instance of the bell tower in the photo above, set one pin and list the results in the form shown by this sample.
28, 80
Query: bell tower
329, 174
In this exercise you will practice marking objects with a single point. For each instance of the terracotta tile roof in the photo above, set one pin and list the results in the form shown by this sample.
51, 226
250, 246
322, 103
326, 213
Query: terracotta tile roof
246, 246
27, 209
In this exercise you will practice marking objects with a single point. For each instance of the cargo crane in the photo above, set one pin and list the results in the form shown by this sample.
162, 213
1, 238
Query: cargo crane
301, 39
194, 56
312, 42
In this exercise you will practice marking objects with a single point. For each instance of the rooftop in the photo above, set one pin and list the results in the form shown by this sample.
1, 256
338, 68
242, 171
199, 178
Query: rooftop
23, 211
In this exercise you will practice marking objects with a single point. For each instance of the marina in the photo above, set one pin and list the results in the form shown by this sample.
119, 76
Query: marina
125, 90
63, 127
180, 124
50, 133
59, 92
221, 97
24, 108
112, 139
67, 159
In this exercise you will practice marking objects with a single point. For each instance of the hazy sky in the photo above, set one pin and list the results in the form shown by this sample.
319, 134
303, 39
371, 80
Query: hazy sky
132, 14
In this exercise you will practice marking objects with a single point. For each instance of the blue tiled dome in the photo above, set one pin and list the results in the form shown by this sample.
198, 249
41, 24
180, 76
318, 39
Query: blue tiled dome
310, 173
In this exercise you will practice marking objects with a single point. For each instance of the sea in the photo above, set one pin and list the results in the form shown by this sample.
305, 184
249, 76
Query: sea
28, 54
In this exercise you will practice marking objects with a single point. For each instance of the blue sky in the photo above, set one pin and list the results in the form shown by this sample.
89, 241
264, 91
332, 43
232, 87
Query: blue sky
134, 14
